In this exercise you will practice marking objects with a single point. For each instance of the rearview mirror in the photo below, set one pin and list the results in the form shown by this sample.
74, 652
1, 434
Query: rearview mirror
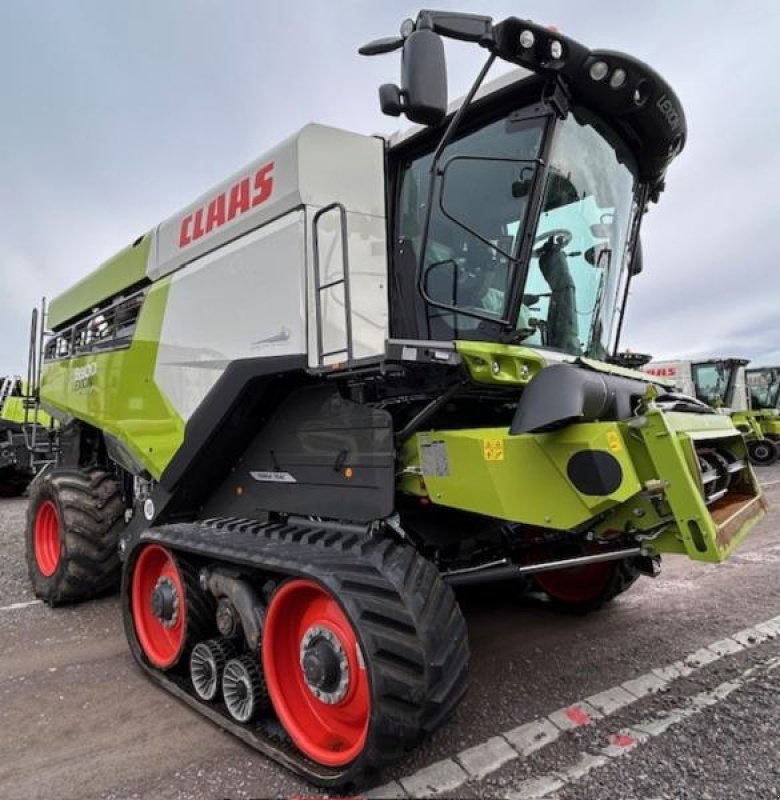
424, 78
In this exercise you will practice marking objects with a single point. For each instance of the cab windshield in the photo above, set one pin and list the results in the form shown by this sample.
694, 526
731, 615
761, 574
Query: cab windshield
577, 265
714, 383
764, 387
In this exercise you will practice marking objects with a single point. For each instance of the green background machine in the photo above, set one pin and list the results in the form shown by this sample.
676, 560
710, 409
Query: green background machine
749, 396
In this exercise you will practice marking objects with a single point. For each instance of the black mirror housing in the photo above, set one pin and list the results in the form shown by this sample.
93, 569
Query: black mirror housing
424, 78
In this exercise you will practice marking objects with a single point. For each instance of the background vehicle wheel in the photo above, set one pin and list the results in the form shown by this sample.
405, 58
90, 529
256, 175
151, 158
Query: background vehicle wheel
169, 612
587, 588
73, 522
763, 452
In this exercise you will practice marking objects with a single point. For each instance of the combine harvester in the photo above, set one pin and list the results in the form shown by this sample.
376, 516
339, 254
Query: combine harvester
763, 385
359, 372
748, 396
25, 444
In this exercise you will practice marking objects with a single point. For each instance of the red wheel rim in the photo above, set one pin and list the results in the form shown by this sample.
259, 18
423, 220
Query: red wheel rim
162, 643
577, 585
46, 536
331, 733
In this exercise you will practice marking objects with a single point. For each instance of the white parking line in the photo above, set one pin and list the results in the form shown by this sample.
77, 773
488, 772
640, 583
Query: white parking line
628, 739
483, 758
17, 606
770, 483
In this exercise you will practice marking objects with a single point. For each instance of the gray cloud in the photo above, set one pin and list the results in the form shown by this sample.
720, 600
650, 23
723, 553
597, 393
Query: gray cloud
115, 115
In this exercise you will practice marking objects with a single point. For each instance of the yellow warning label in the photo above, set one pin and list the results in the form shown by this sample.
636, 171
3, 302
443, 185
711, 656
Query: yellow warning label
493, 449
613, 441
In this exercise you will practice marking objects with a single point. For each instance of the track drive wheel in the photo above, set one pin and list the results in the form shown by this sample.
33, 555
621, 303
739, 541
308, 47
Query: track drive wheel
315, 672
73, 522
763, 452
169, 612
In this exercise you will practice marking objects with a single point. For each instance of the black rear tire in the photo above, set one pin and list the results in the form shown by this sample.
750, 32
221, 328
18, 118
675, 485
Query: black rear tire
763, 452
90, 510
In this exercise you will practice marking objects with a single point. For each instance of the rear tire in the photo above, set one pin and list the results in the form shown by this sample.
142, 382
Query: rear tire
763, 452
74, 518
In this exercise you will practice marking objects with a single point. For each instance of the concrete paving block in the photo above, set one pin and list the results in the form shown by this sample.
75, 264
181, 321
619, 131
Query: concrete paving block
645, 684
438, 778
482, 759
536, 787
532, 736
574, 716
611, 700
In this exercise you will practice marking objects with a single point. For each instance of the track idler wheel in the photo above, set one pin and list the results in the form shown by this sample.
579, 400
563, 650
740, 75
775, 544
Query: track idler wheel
316, 677
763, 452
169, 611
207, 665
243, 689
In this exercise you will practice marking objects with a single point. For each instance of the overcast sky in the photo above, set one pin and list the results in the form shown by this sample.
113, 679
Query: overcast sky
114, 115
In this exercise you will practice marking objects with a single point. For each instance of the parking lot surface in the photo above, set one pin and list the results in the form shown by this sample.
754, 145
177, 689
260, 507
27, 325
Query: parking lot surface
669, 692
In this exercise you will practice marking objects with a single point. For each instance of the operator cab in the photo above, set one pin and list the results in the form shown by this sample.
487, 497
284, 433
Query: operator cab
764, 387
516, 218
715, 382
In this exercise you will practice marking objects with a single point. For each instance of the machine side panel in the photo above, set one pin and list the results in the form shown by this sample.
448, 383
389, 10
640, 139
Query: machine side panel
318, 454
245, 300
114, 391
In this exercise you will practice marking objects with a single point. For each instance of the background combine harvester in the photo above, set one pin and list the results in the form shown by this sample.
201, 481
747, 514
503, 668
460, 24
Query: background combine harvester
401, 384
25, 440
750, 397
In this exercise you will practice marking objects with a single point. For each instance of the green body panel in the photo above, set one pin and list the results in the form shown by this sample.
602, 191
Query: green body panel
125, 269
763, 424
523, 479
115, 391
14, 411
515, 365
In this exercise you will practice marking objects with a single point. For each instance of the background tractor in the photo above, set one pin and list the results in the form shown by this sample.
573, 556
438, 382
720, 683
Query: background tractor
748, 396
359, 372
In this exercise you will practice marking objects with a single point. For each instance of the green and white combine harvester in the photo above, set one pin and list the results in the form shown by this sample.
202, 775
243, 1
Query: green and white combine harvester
362, 371
749, 396
24, 436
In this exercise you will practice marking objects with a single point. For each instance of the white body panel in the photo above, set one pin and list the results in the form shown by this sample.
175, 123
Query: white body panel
242, 263
244, 300
681, 372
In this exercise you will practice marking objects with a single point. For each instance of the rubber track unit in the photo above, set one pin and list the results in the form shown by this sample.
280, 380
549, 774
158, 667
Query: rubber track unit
90, 509
412, 632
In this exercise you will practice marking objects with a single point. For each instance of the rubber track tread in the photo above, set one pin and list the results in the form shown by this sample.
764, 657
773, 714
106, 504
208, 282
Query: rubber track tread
411, 629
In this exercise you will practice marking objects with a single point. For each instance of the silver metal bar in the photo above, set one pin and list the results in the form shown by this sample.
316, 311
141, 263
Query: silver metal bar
504, 569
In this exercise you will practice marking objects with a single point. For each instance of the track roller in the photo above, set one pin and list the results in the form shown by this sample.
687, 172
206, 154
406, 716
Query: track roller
243, 688
207, 665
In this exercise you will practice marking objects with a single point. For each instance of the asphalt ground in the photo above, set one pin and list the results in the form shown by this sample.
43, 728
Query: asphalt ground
79, 720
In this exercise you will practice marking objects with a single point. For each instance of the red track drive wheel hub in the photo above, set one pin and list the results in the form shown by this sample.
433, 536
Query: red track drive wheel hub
577, 585
315, 674
46, 535
159, 606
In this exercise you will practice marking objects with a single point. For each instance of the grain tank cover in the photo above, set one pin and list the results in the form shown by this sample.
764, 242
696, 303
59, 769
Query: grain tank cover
317, 166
